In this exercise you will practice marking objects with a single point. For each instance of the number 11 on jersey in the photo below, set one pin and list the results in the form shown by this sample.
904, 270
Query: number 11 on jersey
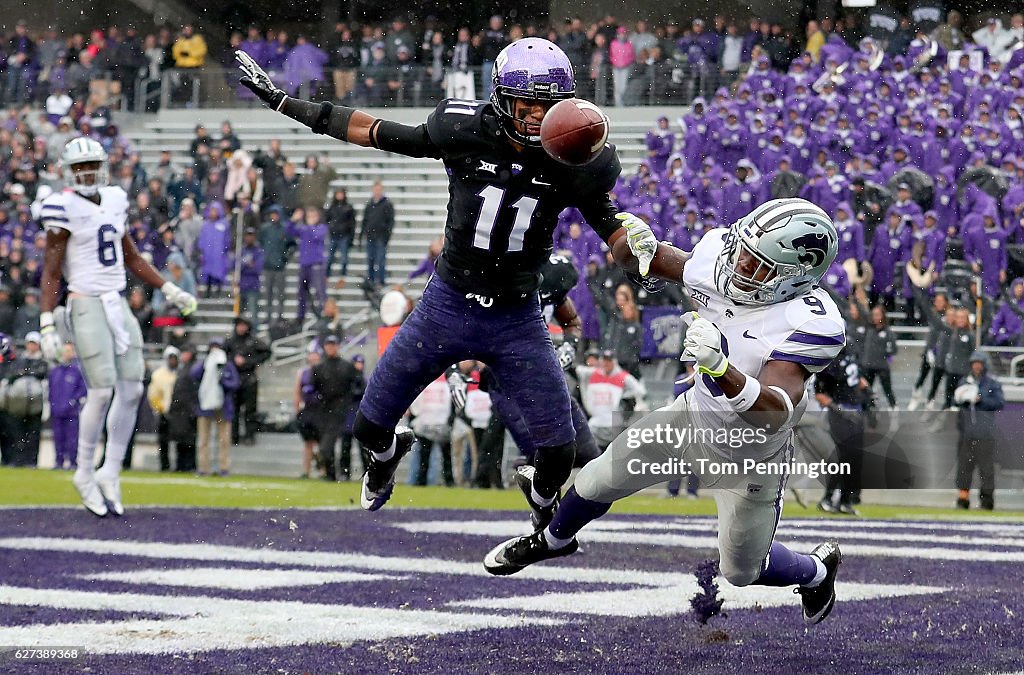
492, 197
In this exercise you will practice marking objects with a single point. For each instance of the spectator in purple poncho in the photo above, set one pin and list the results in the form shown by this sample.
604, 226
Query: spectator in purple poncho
660, 142
309, 230
1008, 323
985, 250
256, 47
212, 247
276, 51
304, 65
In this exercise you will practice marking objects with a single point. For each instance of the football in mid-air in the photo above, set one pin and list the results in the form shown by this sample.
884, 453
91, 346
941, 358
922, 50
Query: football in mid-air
574, 131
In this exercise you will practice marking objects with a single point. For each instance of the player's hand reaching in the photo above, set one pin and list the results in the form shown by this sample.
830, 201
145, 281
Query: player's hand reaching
459, 386
703, 344
183, 300
256, 80
642, 242
49, 340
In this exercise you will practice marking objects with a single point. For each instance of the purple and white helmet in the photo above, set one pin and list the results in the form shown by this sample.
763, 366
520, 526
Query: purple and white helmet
531, 68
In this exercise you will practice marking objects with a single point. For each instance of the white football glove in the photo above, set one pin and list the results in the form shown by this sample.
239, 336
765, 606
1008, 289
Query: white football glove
703, 344
566, 355
459, 386
642, 242
49, 339
184, 301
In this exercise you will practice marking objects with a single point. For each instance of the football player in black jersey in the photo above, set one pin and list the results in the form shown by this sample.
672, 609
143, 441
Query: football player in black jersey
558, 276
505, 196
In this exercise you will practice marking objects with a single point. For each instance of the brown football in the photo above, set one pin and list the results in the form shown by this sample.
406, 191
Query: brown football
574, 131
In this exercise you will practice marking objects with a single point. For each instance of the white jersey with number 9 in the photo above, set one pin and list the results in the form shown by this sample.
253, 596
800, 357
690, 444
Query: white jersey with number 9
93, 259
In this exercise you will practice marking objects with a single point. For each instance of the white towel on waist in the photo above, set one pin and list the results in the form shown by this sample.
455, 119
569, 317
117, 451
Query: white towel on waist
113, 308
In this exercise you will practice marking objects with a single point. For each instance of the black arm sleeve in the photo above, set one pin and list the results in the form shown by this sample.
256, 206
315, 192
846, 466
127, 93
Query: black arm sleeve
333, 120
403, 139
322, 118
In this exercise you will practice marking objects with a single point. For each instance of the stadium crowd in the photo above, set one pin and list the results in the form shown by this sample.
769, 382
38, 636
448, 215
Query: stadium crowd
859, 127
919, 159
417, 63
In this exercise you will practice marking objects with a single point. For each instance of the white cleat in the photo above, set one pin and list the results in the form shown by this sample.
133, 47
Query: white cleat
110, 488
92, 498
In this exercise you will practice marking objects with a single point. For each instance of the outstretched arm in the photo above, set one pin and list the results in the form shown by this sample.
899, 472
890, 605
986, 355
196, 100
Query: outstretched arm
665, 262
338, 121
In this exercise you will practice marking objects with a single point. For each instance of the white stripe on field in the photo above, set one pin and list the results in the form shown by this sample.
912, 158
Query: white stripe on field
205, 624
849, 529
1011, 527
675, 599
235, 578
510, 528
400, 565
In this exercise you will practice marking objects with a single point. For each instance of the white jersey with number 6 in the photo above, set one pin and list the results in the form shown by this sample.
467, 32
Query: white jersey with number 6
93, 259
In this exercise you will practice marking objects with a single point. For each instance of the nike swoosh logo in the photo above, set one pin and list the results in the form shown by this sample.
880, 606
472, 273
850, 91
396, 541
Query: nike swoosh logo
747, 334
538, 182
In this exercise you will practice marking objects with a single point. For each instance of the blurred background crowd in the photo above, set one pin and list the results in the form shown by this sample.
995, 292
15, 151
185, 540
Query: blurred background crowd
907, 131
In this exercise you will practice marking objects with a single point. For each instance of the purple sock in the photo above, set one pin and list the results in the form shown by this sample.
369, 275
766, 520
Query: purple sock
787, 568
573, 513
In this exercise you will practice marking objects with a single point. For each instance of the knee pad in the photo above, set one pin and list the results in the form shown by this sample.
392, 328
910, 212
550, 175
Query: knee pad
371, 435
554, 464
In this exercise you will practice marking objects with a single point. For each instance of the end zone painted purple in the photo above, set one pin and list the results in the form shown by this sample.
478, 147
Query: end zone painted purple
969, 628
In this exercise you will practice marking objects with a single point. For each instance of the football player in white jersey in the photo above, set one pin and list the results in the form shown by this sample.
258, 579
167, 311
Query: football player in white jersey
87, 244
763, 327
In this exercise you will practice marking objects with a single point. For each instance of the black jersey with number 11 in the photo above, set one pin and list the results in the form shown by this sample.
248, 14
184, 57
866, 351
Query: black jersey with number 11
503, 205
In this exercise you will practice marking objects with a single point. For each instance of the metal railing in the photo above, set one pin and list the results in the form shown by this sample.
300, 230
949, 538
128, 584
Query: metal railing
292, 348
663, 83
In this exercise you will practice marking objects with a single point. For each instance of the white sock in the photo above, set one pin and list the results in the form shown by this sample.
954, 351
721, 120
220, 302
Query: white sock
538, 500
387, 454
124, 409
819, 575
90, 426
554, 543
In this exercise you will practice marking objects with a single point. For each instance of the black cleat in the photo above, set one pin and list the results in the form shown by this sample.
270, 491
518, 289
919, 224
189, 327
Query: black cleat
819, 601
515, 554
379, 479
542, 515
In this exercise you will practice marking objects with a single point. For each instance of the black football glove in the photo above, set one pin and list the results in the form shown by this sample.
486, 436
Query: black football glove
256, 80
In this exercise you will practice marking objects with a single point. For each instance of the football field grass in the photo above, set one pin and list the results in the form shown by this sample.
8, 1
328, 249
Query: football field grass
31, 487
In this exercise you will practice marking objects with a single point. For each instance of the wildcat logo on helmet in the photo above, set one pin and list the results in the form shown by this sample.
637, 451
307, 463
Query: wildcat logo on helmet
812, 248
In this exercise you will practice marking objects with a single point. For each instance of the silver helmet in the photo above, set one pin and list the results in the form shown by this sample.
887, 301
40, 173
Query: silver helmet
793, 242
84, 150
